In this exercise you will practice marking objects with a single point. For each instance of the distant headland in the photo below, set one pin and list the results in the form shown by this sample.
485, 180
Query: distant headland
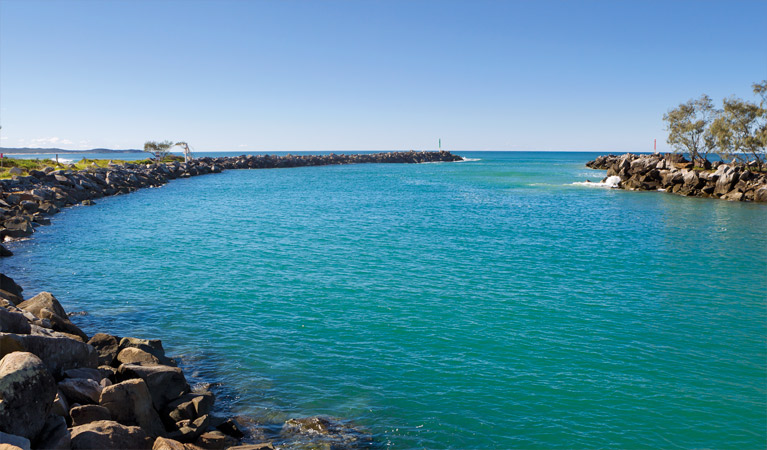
33, 151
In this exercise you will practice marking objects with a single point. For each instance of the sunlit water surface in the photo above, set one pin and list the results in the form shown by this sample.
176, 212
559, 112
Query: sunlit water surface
482, 304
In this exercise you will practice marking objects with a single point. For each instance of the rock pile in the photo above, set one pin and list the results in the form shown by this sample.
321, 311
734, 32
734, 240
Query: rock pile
27, 201
61, 389
674, 174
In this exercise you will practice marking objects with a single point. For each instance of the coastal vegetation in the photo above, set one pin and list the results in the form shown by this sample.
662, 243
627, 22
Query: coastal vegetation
737, 132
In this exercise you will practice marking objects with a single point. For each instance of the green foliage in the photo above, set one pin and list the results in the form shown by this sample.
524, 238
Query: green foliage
688, 128
740, 130
159, 149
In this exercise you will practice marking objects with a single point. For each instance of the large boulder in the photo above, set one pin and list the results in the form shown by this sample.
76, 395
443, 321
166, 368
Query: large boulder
4, 251
84, 391
58, 353
727, 179
165, 383
109, 435
132, 355
13, 322
760, 194
27, 391
13, 442
45, 306
130, 403
107, 347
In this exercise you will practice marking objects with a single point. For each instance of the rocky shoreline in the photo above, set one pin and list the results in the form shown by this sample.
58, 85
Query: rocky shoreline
63, 389
674, 174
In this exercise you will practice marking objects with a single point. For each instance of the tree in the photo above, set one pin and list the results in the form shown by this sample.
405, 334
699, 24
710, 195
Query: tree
741, 129
689, 128
159, 149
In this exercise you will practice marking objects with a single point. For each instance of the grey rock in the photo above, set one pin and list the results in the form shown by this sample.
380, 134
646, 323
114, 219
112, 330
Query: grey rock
27, 391
81, 390
7, 284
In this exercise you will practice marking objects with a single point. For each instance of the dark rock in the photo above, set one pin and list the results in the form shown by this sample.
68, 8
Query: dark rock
93, 374
27, 391
13, 322
54, 435
107, 347
88, 413
190, 406
17, 227
4, 251
60, 405
14, 299
7, 284
109, 435
81, 390
13, 442
230, 428
215, 440
190, 430
332, 432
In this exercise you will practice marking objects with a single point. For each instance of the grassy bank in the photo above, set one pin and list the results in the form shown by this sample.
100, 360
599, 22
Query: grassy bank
39, 164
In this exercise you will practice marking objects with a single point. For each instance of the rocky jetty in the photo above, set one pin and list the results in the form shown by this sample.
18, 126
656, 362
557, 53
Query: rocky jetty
63, 389
28, 201
673, 173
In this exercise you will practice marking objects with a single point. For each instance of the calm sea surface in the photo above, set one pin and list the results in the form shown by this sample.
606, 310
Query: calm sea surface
484, 304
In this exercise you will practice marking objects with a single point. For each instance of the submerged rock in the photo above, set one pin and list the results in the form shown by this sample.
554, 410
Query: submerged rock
318, 430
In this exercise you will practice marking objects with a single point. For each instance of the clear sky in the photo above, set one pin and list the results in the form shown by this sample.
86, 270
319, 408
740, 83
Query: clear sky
368, 75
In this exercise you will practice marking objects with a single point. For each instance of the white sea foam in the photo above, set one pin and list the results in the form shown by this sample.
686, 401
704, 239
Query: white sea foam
469, 159
610, 183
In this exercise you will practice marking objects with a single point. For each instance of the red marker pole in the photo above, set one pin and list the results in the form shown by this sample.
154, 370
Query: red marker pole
655, 145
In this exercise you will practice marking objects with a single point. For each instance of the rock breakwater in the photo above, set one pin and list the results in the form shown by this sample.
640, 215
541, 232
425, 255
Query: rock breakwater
674, 174
27, 201
63, 389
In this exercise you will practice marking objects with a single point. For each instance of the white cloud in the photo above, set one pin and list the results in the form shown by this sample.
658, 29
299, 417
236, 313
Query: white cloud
242, 145
2, 138
50, 141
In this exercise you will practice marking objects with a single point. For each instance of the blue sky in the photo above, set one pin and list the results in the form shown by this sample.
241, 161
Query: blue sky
367, 75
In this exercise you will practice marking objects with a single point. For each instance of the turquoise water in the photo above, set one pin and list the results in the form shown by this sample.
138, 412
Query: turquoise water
482, 304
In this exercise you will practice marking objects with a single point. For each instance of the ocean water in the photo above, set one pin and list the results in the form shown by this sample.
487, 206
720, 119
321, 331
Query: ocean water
488, 304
